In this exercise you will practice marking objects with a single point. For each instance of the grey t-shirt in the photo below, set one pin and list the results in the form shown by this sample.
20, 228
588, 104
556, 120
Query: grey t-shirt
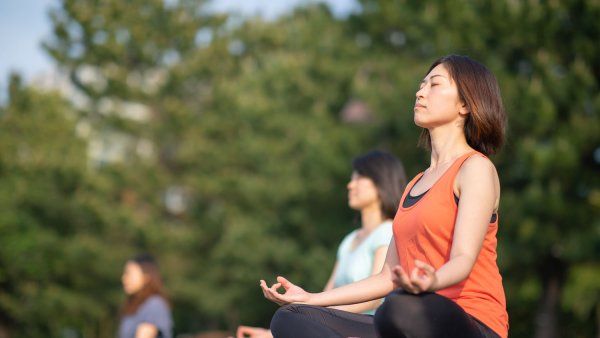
155, 311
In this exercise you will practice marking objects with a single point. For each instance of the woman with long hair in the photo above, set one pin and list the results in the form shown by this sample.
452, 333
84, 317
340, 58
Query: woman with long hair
146, 312
374, 190
440, 274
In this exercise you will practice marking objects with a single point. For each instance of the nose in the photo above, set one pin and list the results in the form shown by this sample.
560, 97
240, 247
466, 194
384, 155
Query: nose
351, 184
421, 92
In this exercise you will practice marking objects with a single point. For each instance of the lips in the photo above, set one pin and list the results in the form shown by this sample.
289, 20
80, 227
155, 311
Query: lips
417, 106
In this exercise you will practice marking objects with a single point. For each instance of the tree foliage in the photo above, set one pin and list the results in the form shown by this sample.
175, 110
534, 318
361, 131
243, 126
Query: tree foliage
233, 140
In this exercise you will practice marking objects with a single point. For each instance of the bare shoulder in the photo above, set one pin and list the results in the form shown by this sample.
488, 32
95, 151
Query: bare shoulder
478, 171
478, 165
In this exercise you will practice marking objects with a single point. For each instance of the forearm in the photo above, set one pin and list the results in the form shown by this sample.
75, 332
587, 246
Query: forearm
453, 272
374, 287
360, 307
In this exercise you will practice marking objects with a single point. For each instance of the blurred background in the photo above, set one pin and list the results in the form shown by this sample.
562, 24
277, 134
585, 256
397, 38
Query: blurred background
219, 136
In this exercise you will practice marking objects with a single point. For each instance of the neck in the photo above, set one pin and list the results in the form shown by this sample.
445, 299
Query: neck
447, 143
371, 217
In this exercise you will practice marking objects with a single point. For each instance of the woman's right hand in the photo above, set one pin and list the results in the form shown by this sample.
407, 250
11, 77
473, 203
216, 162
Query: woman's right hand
422, 278
252, 332
292, 294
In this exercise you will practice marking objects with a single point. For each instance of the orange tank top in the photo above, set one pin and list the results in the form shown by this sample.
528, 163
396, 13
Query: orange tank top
424, 231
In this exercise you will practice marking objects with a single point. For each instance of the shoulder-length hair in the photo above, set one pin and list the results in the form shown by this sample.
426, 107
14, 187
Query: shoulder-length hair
478, 89
388, 175
154, 286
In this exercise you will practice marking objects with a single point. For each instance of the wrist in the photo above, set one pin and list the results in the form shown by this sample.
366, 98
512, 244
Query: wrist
312, 298
434, 284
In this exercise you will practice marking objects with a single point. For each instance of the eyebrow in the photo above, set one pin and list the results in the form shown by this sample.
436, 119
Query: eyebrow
433, 77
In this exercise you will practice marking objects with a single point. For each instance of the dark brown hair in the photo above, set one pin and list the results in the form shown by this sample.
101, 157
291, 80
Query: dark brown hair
387, 173
478, 89
154, 286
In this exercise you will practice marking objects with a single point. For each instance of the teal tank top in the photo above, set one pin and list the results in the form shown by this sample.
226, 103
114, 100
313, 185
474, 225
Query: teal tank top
356, 264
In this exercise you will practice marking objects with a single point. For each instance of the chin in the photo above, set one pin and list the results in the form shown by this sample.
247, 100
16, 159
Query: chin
419, 123
423, 123
417, 119
128, 291
354, 206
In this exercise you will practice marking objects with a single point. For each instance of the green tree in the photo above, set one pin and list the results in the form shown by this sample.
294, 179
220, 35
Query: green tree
246, 130
234, 149
57, 224
546, 58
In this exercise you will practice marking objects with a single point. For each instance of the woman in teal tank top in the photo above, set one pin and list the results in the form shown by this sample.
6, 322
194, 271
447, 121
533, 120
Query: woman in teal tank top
375, 188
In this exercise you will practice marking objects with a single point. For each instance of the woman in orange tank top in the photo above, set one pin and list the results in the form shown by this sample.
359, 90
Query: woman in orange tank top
440, 276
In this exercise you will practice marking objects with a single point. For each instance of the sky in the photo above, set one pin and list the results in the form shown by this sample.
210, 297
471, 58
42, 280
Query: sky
24, 24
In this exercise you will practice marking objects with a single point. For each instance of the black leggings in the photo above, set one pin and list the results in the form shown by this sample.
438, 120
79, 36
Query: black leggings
401, 315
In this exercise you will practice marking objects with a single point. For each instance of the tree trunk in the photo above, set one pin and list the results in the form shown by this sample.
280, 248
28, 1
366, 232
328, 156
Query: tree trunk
546, 319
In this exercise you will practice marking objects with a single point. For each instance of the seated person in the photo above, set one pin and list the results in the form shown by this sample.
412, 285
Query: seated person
146, 312
375, 189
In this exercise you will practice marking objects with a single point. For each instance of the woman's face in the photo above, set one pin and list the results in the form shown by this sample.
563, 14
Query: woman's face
437, 100
133, 278
362, 192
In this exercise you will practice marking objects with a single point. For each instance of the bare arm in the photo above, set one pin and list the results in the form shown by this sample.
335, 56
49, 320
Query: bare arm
479, 194
374, 287
368, 289
146, 330
378, 262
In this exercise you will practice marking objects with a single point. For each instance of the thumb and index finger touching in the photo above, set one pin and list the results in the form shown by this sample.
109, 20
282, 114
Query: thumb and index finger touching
284, 282
273, 293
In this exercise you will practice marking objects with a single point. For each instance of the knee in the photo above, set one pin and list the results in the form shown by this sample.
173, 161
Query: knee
398, 314
283, 318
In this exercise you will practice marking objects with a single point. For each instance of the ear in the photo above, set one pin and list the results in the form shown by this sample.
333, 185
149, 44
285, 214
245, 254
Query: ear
463, 110
147, 278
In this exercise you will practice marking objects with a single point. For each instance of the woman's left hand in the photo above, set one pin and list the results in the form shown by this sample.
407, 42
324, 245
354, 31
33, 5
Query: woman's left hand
422, 278
292, 293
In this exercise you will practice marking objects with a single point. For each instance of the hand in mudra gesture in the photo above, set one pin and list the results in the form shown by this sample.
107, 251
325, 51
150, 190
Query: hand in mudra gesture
252, 332
292, 293
421, 279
